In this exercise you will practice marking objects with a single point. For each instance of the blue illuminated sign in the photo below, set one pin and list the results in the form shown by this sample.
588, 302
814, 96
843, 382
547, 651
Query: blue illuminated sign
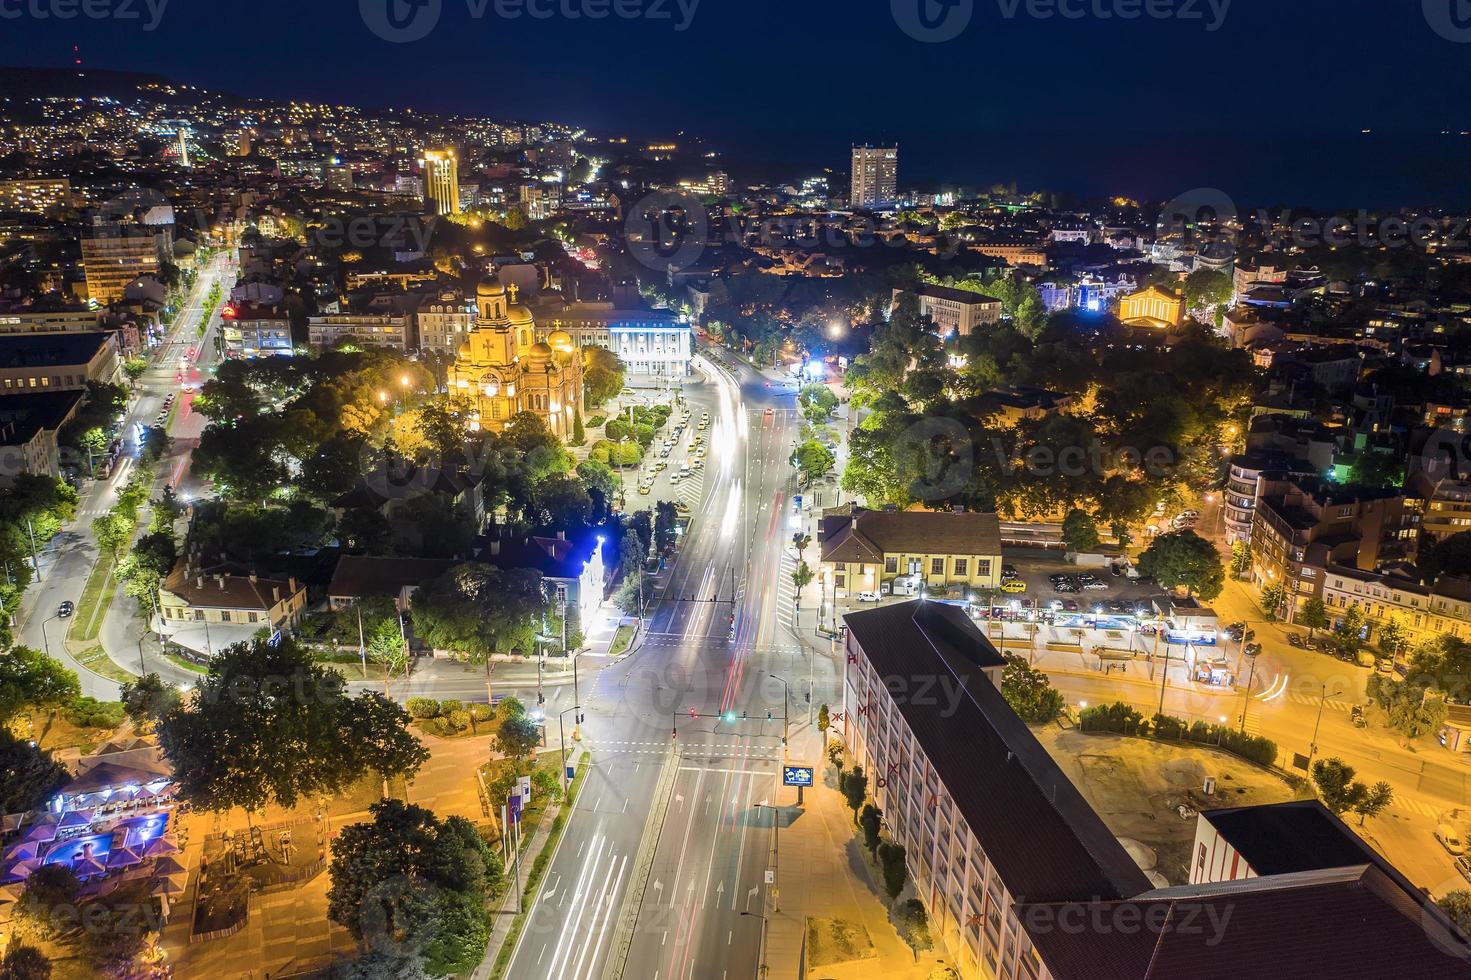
796, 776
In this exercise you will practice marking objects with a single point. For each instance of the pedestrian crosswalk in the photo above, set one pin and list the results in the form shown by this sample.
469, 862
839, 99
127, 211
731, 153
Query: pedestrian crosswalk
691, 750
1414, 807
786, 592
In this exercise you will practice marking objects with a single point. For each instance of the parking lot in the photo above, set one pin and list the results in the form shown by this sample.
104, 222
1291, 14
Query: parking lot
1109, 593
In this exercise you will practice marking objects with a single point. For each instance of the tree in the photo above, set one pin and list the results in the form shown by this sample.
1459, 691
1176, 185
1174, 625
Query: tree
1184, 558
801, 541
1273, 599
1394, 639
112, 531
1452, 556
1080, 531
801, 577
49, 888
147, 700
892, 864
407, 884
28, 774
266, 724
1348, 635
1457, 906
813, 460
871, 820
854, 787
1240, 558
914, 927
478, 610
602, 375
1410, 707
1029, 693
823, 719
579, 434
1314, 615
1340, 792
24, 962
382, 742
517, 737
30, 680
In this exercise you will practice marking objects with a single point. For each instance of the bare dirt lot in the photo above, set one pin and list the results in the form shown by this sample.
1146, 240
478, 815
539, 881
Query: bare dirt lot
1136, 784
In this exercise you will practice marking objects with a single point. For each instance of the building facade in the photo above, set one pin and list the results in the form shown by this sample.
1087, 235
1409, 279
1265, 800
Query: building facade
649, 342
955, 312
58, 362
112, 257
445, 322
1152, 307
368, 330
875, 176
501, 369
861, 549
34, 196
255, 331
442, 180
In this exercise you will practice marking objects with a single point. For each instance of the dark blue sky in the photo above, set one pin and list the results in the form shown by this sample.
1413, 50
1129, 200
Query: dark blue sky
1268, 106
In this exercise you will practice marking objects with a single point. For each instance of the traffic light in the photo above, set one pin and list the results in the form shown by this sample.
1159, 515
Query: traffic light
743, 716
694, 713
730, 716
768, 714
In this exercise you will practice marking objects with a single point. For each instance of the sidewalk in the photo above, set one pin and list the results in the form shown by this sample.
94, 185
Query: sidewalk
822, 873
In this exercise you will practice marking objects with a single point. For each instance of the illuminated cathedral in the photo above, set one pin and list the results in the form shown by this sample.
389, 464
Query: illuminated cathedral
500, 371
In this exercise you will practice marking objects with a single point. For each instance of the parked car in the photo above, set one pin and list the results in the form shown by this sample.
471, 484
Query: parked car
1095, 585
1014, 586
868, 597
1008, 572
1071, 605
1463, 865
1450, 838
1295, 639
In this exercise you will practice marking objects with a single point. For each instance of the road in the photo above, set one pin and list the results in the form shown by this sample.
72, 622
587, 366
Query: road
68, 560
704, 860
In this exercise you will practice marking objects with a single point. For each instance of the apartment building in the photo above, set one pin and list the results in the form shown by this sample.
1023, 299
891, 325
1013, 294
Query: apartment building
445, 321
1297, 533
875, 177
1022, 880
34, 196
861, 549
255, 331
652, 343
986, 817
366, 329
955, 312
1447, 511
1442, 608
114, 256
57, 362
1252, 475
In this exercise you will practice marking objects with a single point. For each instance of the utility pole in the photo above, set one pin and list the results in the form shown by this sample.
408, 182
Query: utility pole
1246, 699
1164, 676
1322, 698
362, 644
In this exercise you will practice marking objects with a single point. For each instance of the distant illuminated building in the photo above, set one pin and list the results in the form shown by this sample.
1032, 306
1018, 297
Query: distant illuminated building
500, 370
442, 180
875, 175
1152, 307
183, 148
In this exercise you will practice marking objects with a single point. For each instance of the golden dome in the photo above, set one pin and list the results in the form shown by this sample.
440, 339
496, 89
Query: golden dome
561, 340
489, 287
540, 352
517, 313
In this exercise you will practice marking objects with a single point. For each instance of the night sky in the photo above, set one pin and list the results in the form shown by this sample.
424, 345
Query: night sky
1269, 106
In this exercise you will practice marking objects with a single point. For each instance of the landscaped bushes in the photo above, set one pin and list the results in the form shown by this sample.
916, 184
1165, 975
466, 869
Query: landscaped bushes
447, 717
1124, 720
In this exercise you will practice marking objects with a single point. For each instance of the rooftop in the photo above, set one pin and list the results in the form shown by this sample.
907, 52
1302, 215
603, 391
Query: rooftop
50, 349
1043, 837
867, 535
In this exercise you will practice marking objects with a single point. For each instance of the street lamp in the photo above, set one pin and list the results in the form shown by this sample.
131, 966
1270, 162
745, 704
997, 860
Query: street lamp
562, 733
1322, 698
784, 701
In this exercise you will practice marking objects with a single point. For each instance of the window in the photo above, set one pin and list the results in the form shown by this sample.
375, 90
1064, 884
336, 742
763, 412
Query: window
891, 565
937, 566
962, 566
983, 565
255, 617
840, 581
224, 615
